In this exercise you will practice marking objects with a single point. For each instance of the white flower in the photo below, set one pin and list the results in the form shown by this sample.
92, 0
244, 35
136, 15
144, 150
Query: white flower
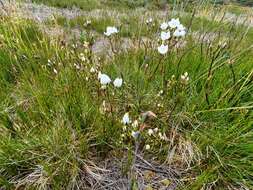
103, 78
147, 147
174, 23
118, 82
164, 26
55, 71
162, 136
126, 120
150, 132
99, 75
156, 130
185, 77
78, 67
135, 134
49, 63
74, 45
111, 30
92, 70
163, 49
103, 87
179, 33
88, 22
150, 20
165, 35
82, 57
135, 124
180, 27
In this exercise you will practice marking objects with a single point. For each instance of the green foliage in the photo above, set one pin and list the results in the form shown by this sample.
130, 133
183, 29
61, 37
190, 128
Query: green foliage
245, 2
54, 116
83, 4
93, 4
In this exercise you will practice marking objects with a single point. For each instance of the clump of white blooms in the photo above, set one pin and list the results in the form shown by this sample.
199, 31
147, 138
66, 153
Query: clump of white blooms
172, 28
170, 32
163, 49
104, 79
185, 77
126, 119
164, 26
111, 30
165, 35
118, 82
180, 30
176, 26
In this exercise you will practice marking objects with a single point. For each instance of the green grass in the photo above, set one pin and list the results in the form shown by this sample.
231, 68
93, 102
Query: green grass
85, 4
95, 4
130, 25
53, 124
238, 10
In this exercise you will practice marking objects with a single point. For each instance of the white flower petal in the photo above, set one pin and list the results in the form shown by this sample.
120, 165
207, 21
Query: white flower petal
179, 33
135, 134
92, 70
147, 147
163, 49
126, 120
135, 124
118, 82
174, 23
164, 26
180, 27
150, 20
165, 35
150, 132
111, 30
104, 79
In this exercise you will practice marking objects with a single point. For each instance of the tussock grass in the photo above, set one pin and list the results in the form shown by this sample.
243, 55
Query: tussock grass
55, 118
